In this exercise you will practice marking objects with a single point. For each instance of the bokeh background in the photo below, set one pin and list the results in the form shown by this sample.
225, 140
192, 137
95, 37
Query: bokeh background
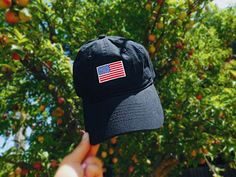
192, 44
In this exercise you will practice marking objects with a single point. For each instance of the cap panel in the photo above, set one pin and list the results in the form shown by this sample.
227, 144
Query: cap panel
83, 67
106, 51
149, 69
79, 73
148, 66
141, 61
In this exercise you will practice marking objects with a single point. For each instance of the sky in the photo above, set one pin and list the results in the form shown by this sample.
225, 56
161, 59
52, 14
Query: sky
224, 3
220, 3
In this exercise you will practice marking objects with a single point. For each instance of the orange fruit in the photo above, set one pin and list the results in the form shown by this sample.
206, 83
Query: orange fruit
174, 69
221, 115
16, 56
151, 37
199, 97
18, 171
11, 17
194, 153
3, 39
131, 169
59, 121
104, 154
4, 4
42, 108
152, 49
22, 3
204, 151
40, 139
148, 6
60, 100
175, 62
37, 165
114, 140
134, 159
58, 112
54, 164
202, 161
114, 160
160, 25
111, 151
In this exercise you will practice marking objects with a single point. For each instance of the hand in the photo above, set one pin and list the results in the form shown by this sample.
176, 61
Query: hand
82, 161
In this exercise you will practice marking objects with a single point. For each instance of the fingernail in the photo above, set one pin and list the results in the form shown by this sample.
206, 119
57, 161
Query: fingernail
84, 165
85, 136
82, 132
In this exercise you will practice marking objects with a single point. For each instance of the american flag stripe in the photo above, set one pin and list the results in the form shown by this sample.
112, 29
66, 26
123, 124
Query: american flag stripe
111, 71
110, 77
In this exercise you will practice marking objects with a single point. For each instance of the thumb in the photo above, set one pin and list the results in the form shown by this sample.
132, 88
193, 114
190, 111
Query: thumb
81, 150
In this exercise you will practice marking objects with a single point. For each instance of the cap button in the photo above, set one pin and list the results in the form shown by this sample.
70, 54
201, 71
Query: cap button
101, 36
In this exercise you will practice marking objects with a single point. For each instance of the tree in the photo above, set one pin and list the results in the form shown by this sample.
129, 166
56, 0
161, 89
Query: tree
189, 43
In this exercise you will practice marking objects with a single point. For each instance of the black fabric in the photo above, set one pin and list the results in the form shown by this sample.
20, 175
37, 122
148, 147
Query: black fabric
122, 105
121, 114
106, 50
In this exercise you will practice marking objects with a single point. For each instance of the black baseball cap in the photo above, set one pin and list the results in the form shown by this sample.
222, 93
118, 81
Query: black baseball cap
114, 77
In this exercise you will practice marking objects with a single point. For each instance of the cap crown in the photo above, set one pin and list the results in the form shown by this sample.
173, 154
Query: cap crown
109, 66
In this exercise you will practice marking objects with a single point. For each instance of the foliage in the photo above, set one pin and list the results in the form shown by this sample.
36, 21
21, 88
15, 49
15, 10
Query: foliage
189, 44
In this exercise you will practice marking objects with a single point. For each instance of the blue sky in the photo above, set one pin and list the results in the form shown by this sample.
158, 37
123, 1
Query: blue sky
220, 3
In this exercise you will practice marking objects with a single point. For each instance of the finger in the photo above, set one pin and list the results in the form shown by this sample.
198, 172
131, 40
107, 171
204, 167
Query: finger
93, 171
93, 150
81, 150
94, 161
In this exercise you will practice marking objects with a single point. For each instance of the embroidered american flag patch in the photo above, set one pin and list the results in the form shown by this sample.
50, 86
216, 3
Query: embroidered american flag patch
110, 71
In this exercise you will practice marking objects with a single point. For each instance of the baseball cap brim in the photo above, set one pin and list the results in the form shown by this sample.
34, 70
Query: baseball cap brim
126, 113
